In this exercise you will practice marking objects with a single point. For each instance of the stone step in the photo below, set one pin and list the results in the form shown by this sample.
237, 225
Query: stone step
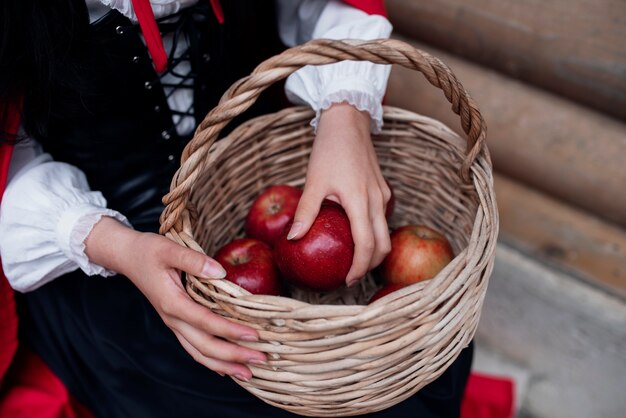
563, 340
490, 362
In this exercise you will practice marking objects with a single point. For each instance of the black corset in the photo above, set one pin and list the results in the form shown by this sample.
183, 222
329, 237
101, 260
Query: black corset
114, 123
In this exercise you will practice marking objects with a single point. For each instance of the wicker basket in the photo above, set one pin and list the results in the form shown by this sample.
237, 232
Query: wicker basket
330, 354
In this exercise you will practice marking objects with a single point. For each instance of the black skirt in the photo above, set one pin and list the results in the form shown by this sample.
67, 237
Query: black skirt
109, 346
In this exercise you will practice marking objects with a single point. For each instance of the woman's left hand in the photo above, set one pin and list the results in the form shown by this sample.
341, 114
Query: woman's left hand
343, 167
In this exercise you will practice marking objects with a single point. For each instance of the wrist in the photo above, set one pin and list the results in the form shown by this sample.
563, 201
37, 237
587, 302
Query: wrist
342, 116
109, 243
344, 109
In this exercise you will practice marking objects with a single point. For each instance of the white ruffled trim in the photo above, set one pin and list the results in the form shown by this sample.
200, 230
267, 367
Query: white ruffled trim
159, 7
363, 101
362, 84
47, 212
73, 228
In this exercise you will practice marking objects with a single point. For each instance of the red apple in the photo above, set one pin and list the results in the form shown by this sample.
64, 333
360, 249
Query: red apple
417, 253
249, 263
389, 288
322, 258
271, 211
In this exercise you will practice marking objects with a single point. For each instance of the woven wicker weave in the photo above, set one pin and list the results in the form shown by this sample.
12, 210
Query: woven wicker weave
330, 354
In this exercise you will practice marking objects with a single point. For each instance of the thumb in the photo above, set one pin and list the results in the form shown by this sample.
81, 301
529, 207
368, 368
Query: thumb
195, 263
308, 208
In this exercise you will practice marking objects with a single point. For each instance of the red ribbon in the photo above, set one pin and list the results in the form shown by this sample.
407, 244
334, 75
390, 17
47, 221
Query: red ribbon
217, 10
151, 32
372, 7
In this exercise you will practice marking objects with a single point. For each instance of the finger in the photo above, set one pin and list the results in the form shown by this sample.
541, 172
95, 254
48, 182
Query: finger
381, 234
385, 188
182, 307
193, 262
222, 367
375, 165
364, 243
333, 198
215, 348
308, 208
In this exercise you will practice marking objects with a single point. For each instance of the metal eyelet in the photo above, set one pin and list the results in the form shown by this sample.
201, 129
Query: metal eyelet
170, 157
157, 108
136, 59
119, 30
166, 135
206, 57
147, 85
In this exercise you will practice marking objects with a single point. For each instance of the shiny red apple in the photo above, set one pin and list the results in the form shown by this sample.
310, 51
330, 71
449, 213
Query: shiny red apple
271, 211
417, 253
389, 288
249, 263
322, 258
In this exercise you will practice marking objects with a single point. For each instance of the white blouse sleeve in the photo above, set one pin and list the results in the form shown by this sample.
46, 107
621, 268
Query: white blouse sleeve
362, 84
46, 214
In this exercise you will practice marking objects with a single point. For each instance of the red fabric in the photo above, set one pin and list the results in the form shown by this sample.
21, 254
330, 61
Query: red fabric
151, 33
372, 7
9, 124
217, 10
488, 397
35, 392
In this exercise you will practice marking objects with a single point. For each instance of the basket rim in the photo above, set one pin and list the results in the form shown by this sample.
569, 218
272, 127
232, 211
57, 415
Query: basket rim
243, 93
253, 304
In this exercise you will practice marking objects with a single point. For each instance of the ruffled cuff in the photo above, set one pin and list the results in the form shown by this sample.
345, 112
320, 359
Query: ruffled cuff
362, 84
73, 228
47, 212
355, 92
360, 100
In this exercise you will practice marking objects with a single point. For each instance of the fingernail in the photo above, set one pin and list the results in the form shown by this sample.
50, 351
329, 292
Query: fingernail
221, 374
249, 337
295, 229
242, 377
257, 361
351, 282
213, 270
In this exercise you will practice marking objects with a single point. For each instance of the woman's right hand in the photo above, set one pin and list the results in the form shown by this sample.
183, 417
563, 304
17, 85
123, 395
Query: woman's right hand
153, 263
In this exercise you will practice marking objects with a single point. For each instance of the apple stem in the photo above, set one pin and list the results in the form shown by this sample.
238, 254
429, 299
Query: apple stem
274, 208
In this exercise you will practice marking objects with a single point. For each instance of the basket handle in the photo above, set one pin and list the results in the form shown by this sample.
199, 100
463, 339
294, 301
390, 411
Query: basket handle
241, 95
